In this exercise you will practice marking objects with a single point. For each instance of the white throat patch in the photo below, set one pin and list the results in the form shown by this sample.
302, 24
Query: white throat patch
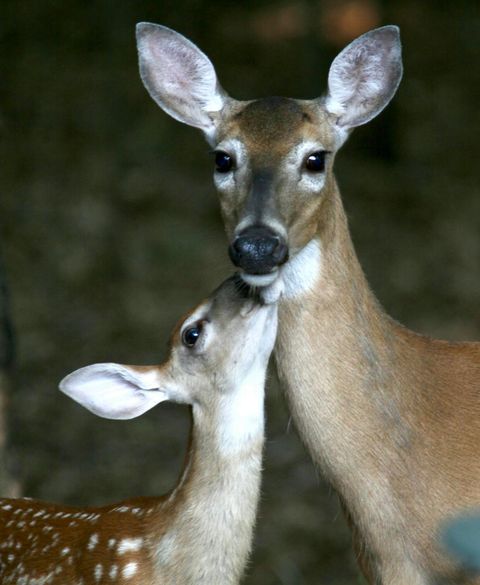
299, 276
302, 272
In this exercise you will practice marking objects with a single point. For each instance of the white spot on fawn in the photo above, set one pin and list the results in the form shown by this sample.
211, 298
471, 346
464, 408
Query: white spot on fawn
98, 572
122, 509
92, 543
129, 570
129, 544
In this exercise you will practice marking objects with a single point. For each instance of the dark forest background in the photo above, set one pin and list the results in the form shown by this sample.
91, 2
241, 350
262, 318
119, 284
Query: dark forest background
110, 228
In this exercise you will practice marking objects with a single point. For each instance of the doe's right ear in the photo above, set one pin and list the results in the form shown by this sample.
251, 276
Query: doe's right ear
178, 76
115, 391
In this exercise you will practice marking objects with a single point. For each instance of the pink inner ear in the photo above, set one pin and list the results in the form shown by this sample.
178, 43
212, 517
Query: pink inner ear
114, 391
364, 77
179, 77
169, 66
173, 64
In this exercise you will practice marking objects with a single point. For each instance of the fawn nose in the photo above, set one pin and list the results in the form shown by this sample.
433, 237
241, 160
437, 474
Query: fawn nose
258, 250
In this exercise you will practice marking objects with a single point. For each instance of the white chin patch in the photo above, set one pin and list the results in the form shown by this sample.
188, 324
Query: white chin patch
259, 280
299, 276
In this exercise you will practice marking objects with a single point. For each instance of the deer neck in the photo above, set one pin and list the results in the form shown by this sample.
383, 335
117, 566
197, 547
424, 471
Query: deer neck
215, 503
338, 356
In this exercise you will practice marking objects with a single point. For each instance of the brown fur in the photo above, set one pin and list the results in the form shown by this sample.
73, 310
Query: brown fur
201, 532
392, 417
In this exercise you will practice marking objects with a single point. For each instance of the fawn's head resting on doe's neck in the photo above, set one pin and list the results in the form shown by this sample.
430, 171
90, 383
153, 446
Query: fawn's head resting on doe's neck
273, 156
218, 350
217, 363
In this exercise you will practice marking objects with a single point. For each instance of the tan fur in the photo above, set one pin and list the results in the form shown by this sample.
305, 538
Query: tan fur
392, 417
201, 532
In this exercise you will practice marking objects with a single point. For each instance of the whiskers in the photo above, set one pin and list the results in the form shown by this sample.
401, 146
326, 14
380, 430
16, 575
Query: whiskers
247, 291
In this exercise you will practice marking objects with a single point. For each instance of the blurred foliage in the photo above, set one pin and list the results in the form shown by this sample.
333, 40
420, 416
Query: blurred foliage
111, 229
8, 486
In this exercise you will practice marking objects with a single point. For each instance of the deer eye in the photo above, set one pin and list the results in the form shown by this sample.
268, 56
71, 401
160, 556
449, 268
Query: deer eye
315, 163
191, 335
223, 162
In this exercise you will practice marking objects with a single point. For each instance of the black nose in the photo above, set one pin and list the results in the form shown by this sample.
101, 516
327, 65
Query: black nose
258, 250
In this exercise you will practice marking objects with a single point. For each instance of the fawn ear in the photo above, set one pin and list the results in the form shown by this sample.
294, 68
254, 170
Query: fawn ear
115, 391
178, 76
364, 77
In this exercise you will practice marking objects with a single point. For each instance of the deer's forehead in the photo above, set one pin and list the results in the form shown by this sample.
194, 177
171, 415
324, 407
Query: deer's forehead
274, 126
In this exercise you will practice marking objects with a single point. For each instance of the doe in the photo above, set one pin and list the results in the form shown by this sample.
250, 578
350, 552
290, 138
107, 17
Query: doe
201, 532
390, 416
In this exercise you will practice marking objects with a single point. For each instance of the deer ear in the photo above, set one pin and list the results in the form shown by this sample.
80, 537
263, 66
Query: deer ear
115, 391
178, 76
364, 77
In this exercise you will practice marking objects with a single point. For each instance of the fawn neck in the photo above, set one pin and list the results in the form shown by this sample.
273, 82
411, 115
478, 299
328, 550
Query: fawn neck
215, 503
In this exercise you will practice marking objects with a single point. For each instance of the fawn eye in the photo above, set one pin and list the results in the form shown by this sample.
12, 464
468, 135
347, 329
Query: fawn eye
315, 163
223, 162
191, 335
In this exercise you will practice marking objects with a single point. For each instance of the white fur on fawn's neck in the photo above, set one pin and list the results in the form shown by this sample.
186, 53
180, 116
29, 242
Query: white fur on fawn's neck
238, 420
220, 490
241, 414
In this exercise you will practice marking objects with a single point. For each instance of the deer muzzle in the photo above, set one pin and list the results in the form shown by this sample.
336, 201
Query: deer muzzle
258, 250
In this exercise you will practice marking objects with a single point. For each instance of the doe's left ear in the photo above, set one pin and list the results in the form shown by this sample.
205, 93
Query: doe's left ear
364, 77
115, 391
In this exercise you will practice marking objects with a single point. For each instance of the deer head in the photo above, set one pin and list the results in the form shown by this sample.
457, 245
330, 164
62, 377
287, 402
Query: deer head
273, 156
221, 343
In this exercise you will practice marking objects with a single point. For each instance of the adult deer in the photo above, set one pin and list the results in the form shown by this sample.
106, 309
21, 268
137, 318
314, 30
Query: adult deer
391, 417
201, 532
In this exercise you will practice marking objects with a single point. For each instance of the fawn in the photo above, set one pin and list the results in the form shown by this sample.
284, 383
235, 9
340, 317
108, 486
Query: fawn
199, 533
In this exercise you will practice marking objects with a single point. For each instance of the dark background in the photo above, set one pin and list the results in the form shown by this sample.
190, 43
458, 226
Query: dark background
110, 227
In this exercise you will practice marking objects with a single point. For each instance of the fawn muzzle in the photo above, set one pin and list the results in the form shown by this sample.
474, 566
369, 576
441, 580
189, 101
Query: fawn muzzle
258, 250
